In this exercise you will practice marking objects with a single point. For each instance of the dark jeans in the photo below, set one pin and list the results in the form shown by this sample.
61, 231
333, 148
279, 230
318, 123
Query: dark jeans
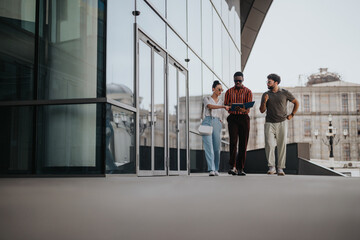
239, 127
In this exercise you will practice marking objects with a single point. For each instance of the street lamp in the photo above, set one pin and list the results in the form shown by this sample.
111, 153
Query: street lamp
129, 123
331, 139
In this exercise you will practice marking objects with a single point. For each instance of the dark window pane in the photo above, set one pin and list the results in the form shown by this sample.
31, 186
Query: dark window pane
120, 140
307, 128
17, 42
345, 102
68, 49
69, 138
16, 139
101, 50
306, 106
120, 51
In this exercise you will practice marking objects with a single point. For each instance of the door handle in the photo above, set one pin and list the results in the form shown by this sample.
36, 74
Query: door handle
178, 67
153, 46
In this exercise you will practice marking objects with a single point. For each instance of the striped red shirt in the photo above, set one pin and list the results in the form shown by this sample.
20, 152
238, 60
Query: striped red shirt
238, 95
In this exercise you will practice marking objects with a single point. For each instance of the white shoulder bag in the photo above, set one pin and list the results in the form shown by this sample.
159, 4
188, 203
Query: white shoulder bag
205, 130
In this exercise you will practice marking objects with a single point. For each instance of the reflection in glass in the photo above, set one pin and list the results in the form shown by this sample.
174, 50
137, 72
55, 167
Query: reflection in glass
16, 139
17, 43
217, 5
173, 124
68, 49
194, 28
207, 48
232, 21
176, 47
208, 79
226, 57
145, 104
67, 136
195, 81
151, 23
238, 61
195, 97
232, 59
120, 51
159, 112
195, 107
225, 9
182, 119
120, 140
159, 5
176, 15
217, 44
238, 30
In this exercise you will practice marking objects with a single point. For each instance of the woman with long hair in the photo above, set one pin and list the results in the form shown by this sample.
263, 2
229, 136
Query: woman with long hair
213, 112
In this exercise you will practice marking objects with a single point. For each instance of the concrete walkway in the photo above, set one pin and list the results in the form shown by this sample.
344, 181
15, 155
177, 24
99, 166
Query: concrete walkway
190, 207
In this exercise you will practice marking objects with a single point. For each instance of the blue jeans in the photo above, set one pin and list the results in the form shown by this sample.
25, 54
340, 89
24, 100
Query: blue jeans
212, 143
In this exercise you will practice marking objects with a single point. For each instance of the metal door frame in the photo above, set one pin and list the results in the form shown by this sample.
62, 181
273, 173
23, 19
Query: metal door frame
140, 35
180, 68
155, 49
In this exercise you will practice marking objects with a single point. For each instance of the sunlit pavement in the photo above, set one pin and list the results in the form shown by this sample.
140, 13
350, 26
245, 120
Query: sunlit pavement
186, 207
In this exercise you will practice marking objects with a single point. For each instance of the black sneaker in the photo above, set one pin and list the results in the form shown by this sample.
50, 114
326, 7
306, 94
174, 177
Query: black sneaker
241, 173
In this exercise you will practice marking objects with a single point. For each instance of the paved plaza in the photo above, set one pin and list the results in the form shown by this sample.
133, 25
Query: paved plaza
185, 207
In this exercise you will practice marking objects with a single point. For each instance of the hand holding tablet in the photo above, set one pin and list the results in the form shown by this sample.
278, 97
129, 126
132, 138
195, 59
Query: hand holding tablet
237, 106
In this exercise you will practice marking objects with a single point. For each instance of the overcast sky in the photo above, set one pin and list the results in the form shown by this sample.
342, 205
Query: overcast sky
299, 37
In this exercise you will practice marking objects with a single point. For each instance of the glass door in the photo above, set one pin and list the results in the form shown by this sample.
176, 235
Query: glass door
151, 108
177, 119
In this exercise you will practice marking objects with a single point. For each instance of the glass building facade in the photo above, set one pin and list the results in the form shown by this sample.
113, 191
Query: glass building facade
108, 86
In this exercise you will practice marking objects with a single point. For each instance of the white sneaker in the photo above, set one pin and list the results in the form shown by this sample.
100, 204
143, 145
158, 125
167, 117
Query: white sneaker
217, 173
280, 172
212, 173
271, 171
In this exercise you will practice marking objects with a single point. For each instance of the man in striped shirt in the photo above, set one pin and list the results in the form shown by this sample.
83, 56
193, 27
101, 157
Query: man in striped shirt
238, 124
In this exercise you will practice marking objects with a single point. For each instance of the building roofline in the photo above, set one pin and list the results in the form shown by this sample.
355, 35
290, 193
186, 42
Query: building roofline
253, 13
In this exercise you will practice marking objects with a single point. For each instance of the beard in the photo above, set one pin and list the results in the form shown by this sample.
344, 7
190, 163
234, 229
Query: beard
238, 86
271, 87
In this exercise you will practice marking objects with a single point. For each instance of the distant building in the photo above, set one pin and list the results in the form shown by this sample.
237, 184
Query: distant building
325, 93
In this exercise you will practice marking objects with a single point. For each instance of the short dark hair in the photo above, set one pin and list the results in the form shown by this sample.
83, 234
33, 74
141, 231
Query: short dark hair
238, 74
215, 83
274, 77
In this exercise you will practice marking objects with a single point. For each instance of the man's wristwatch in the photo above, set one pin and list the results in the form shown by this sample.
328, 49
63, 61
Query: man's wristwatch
292, 114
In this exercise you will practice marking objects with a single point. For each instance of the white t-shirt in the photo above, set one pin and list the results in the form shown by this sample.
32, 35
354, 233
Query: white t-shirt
214, 112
